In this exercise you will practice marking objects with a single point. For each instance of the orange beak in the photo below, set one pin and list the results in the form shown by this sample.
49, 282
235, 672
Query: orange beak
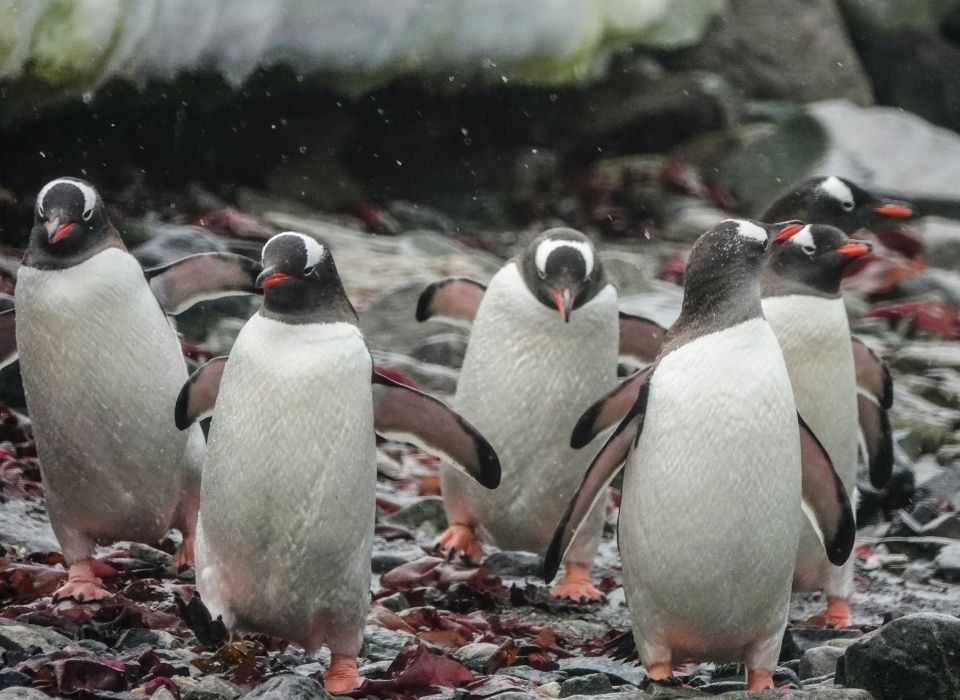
564, 302
56, 231
896, 210
854, 250
788, 231
273, 279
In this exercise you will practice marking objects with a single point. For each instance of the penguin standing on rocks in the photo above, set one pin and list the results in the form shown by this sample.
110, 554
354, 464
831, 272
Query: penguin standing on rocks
802, 303
714, 426
544, 344
101, 367
288, 498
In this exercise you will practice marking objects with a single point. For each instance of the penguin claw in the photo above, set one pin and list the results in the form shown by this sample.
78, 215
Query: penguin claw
836, 614
575, 585
342, 676
183, 558
82, 585
460, 540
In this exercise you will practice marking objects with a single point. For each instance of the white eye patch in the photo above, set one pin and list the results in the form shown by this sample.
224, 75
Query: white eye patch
315, 250
804, 239
547, 247
748, 229
837, 189
89, 195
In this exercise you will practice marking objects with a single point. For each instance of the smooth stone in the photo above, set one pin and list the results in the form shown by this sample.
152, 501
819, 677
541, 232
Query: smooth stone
213, 688
819, 661
797, 640
509, 563
24, 637
289, 687
381, 644
13, 679
916, 657
476, 655
533, 675
947, 563
22, 694
382, 562
811, 694
617, 671
163, 694
591, 684
395, 602
428, 509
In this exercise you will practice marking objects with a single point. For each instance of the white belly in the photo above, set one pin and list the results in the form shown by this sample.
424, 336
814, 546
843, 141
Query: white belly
815, 338
102, 368
288, 497
526, 379
710, 513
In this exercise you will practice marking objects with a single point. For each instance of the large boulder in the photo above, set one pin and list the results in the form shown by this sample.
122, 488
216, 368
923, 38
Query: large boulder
916, 657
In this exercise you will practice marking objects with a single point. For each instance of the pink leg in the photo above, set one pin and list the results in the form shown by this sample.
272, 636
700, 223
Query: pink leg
759, 679
343, 675
183, 559
576, 584
82, 584
460, 540
836, 614
659, 671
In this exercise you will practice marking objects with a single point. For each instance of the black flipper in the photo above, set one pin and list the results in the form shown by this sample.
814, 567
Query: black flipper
196, 278
609, 409
825, 500
874, 398
403, 413
8, 338
640, 339
452, 297
595, 481
199, 395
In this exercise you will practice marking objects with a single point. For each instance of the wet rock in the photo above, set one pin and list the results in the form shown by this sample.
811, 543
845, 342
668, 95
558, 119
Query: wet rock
170, 243
428, 509
913, 658
662, 692
25, 523
381, 644
32, 639
591, 684
532, 674
518, 564
476, 655
831, 67
130, 639
617, 671
819, 661
163, 694
382, 562
947, 563
213, 688
811, 694
797, 640
412, 216
289, 687
22, 694
14, 679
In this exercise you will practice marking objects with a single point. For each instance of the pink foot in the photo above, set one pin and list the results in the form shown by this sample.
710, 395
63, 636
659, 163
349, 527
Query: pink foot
836, 614
343, 675
659, 671
183, 559
82, 584
459, 540
759, 679
576, 585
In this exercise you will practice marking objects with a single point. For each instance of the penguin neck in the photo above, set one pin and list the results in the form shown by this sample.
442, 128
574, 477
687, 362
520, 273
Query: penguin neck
727, 297
307, 301
779, 282
42, 255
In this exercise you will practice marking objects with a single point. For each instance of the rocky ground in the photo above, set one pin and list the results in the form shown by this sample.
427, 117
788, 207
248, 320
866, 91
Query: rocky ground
442, 629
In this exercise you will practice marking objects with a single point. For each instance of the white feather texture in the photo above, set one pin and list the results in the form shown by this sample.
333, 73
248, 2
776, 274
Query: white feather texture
88, 193
102, 368
815, 337
287, 505
837, 189
549, 246
710, 514
526, 379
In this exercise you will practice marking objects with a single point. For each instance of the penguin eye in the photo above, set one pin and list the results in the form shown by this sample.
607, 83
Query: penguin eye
809, 249
846, 206
87, 215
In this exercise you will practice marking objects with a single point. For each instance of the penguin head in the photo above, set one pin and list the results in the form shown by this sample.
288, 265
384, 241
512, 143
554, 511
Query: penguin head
839, 202
731, 244
300, 279
69, 219
814, 255
561, 270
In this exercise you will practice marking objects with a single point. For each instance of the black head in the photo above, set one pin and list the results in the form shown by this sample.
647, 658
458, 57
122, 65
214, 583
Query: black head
810, 259
300, 282
561, 269
722, 280
70, 225
837, 202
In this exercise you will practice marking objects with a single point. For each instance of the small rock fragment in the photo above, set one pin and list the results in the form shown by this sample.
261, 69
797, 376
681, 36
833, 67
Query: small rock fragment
592, 684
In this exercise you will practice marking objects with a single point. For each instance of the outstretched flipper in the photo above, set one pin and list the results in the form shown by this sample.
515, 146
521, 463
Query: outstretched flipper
609, 409
196, 278
8, 338
199, 395
825, 500
874, 398
403, 413
594, 484
456, 298
640, 339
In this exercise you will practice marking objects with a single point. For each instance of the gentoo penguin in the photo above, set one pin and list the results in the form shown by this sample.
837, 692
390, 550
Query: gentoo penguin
838, 202
101, 367
288, 496
544, 343
802, 303
715, 427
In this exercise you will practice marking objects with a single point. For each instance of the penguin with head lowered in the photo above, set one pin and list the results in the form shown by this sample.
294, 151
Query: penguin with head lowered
101, 366
545, 340
719, 471
288, 499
